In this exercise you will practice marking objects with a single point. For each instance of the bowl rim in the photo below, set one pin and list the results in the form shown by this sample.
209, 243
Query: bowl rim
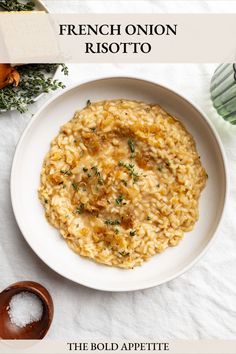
221, 150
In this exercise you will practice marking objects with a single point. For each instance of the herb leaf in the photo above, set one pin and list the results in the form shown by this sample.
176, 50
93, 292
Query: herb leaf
130, 168
112, 222
119, 199
15, 5
75, 186
160, 167
80, 209
66, 172
98, 174
124, 253
131, 145
34, 80
124, 182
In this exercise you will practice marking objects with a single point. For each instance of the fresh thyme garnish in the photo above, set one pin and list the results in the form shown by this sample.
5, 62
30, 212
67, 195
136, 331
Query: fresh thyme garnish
160, 167
131, 147
15, 5
85, 169
112, 222
34, 80
120, 199
88, 103
95, 169
98, 174
80, 209
130, 168
132, 232
75, 186
116, 231
124, 182
149, 218
93, 129
66, 172
124, 253
100, 180
64, 69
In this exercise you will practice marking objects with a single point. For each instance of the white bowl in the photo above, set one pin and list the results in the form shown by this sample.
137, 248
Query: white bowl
46, 241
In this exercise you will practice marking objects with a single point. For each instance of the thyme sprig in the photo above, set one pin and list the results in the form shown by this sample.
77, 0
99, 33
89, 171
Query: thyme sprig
80, 208
98, 174
130, 168
34, 81
75, 186
120, 199
15, 5
131, 145
66, 172
112, 222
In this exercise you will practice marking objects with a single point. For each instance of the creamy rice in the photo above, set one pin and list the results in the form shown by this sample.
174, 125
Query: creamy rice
121, 182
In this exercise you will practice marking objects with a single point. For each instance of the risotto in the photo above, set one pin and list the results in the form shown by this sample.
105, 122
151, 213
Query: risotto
122, 181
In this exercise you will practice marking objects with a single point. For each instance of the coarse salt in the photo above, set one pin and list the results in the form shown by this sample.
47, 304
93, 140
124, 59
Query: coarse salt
25, 308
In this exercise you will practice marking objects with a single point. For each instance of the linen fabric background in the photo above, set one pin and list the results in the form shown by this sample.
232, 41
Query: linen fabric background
198, 305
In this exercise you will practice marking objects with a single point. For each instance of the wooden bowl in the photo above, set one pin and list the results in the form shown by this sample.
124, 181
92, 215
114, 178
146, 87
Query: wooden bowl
34, 330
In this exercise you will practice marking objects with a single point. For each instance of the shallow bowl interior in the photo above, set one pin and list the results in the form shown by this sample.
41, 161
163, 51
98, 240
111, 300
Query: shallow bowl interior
45, 240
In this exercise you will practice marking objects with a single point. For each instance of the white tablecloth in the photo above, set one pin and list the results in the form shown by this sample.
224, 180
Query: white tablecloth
199, 304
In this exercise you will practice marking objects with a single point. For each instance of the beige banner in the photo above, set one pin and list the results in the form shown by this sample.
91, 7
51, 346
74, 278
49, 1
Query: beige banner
103, 38
82, 347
